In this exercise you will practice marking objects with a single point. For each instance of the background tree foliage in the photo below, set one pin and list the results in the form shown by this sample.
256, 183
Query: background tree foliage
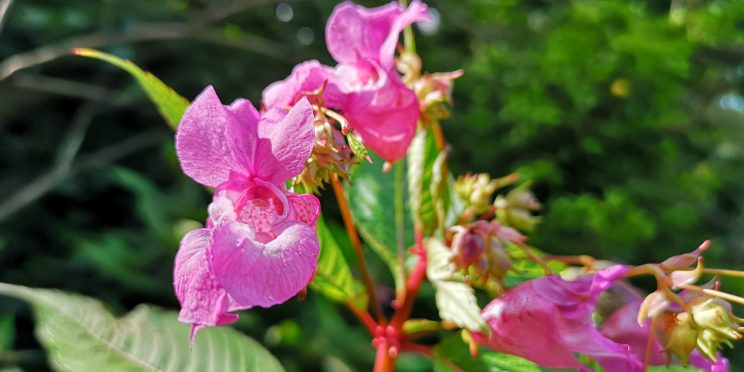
628, 116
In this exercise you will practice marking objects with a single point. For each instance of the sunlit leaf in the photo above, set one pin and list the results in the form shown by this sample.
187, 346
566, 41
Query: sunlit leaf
81, 335
372, 201
333, 278
455, 300
170, 104
422, 159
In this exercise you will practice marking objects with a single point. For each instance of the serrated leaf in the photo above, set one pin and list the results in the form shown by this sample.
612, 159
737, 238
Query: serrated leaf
333, 278
455, 300
372, 201
422, 155
81, 335
170, 104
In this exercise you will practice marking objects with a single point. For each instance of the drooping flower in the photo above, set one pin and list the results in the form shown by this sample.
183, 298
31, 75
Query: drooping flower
259, 246
622, 326
548, 320
364, 85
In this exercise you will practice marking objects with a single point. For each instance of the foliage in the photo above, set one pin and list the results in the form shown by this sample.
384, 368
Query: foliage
625, 115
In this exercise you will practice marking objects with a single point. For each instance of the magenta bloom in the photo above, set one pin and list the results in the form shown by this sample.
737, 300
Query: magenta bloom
548, 320
364, 85
260, 246
622, 326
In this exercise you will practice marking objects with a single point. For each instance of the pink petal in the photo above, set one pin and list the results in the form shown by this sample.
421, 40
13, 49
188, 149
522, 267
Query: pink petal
355, 33
257, 274
387, 125
547, 320
203, 301
622, 327
307, 77
305, 208
201, 143
285, 142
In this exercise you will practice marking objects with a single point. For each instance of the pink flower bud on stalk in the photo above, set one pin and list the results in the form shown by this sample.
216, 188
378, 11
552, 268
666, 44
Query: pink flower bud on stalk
331, 155
481, 246
516, 208
690, 320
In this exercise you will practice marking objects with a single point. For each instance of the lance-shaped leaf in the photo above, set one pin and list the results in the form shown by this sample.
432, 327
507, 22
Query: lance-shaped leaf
422, 158
81, 335
455, 300
170, 104
333, 278
372, 201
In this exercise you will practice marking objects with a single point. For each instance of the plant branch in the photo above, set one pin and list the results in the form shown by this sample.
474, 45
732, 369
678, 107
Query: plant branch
62, 170
4, 7
363, 317
143, 32
714, 293
369, 285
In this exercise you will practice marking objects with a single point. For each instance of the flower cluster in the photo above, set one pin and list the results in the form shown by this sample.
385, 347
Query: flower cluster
259, 246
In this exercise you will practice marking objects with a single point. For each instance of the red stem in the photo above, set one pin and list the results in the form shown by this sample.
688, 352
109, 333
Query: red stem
413, 284
343, 206
364, 317
383, 361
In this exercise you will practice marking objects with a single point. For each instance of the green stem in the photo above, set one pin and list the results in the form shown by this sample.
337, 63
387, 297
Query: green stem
409, 43
400, 219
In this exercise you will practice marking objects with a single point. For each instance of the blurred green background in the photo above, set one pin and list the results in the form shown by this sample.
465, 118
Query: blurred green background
628, 116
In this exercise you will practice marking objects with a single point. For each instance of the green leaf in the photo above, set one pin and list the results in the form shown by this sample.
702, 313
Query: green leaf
455, 300
508, 363
422, 158
453, 352
372, 201
673, 368
357, 147
170, 104
524, 268
81, 335
7, 331
333, 278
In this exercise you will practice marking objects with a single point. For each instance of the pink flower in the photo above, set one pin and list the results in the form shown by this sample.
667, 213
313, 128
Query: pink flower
260, 246
548, 320
364, 85
622, 326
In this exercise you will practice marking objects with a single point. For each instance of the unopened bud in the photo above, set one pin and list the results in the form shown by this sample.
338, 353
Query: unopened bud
476, 190
683, 337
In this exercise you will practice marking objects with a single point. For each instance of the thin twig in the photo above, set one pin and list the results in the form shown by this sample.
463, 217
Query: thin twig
4, 7
65, 87
144, 32
48, 180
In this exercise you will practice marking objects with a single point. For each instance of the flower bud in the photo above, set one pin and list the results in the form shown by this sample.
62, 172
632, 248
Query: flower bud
713, 316
331, 155
476, 190
481, 246
516, 208
683, 337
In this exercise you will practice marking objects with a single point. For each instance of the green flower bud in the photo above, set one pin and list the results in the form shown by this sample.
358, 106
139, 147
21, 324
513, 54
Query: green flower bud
683, 337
